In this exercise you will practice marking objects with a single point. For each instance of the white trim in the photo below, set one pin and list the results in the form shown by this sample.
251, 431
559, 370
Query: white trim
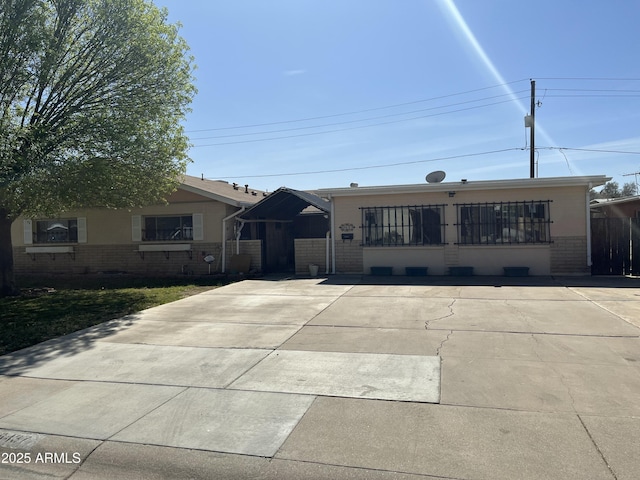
594, 180
49, 250
333, 234
136, 228
82, 229
198, 226
588, 216
164, 247
27, 226
224, 237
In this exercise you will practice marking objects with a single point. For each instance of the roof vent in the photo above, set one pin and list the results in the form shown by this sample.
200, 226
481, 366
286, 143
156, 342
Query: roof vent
353, 185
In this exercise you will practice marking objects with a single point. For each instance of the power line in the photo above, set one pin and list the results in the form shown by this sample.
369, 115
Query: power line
453, 157
356, 111
576, 92
590, 150
354, 128
438, 159
614, 79
362, 119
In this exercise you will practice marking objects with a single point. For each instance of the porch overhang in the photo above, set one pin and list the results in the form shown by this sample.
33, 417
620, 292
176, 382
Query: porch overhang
284, 205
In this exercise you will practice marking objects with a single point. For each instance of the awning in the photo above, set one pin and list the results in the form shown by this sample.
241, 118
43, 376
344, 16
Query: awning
283, 205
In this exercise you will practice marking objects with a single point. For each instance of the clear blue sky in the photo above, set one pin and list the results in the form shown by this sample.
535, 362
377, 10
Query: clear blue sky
402, 88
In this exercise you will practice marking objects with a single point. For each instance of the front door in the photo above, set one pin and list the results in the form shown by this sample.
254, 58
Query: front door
278, 247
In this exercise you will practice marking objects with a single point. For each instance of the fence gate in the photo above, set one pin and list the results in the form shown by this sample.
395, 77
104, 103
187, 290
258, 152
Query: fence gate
615, 246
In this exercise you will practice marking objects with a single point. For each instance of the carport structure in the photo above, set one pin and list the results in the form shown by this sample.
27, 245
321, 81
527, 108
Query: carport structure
294, 229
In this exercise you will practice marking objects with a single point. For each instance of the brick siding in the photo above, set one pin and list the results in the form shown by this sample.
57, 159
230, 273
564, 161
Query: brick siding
569, 256
310, 250
348, 256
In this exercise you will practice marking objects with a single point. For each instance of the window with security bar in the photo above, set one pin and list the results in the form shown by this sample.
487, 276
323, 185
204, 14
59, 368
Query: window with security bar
403, 225
504, 223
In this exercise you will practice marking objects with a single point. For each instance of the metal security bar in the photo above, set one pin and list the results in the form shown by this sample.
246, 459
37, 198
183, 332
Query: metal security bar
498, 223
168, 228
403, 225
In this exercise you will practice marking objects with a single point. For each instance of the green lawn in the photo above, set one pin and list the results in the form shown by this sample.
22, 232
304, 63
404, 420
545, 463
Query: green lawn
53, 306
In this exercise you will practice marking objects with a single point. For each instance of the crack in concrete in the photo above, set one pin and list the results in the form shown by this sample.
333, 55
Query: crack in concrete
536, 340
443, 342
427, 323
565, 385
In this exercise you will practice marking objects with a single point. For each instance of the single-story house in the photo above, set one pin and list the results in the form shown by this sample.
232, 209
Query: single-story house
540, 226
172, 238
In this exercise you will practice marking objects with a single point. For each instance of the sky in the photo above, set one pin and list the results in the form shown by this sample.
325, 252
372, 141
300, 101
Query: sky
316, 94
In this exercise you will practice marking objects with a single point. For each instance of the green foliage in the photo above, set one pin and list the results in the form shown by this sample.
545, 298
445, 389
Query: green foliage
612, 190
92, 93
43, 314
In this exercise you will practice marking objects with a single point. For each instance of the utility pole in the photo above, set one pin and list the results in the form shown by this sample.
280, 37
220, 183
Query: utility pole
533, 127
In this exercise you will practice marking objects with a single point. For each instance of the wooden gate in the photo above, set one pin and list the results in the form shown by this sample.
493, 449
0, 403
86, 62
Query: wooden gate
615, 246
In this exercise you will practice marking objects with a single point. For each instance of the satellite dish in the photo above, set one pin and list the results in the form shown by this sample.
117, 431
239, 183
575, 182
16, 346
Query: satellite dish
435, 177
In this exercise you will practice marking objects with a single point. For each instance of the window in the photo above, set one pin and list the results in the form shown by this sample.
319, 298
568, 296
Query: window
503, 223
403, 225
168, 228
56, 231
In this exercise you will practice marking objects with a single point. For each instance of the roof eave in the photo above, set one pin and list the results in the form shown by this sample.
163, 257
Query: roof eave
214, 196
586, 181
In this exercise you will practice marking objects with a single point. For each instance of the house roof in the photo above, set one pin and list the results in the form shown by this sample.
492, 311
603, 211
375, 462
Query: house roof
284, 204
605, 202
586, 181
231, 194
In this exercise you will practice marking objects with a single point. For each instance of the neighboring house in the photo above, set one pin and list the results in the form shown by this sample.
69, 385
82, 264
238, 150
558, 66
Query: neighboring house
539, 223
615, 232
160, 239
626, 207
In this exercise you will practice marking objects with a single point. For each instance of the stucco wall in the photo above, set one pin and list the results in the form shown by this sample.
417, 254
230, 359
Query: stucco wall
566, 253
113, 227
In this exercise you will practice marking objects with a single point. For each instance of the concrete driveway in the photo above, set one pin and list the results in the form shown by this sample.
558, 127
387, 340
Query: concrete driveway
346, 377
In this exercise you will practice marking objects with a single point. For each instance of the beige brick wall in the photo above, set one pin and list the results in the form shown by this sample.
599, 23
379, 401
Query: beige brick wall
310, 250
569, 256
118, 258
349, 256
247, 247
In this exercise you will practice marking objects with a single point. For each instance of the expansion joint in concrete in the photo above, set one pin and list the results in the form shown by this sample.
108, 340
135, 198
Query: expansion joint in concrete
604, 459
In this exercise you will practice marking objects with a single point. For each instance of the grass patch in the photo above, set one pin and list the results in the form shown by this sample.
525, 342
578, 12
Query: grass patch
50, 307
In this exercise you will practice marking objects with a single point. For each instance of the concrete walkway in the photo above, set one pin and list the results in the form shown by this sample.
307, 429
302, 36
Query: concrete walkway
346, 377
